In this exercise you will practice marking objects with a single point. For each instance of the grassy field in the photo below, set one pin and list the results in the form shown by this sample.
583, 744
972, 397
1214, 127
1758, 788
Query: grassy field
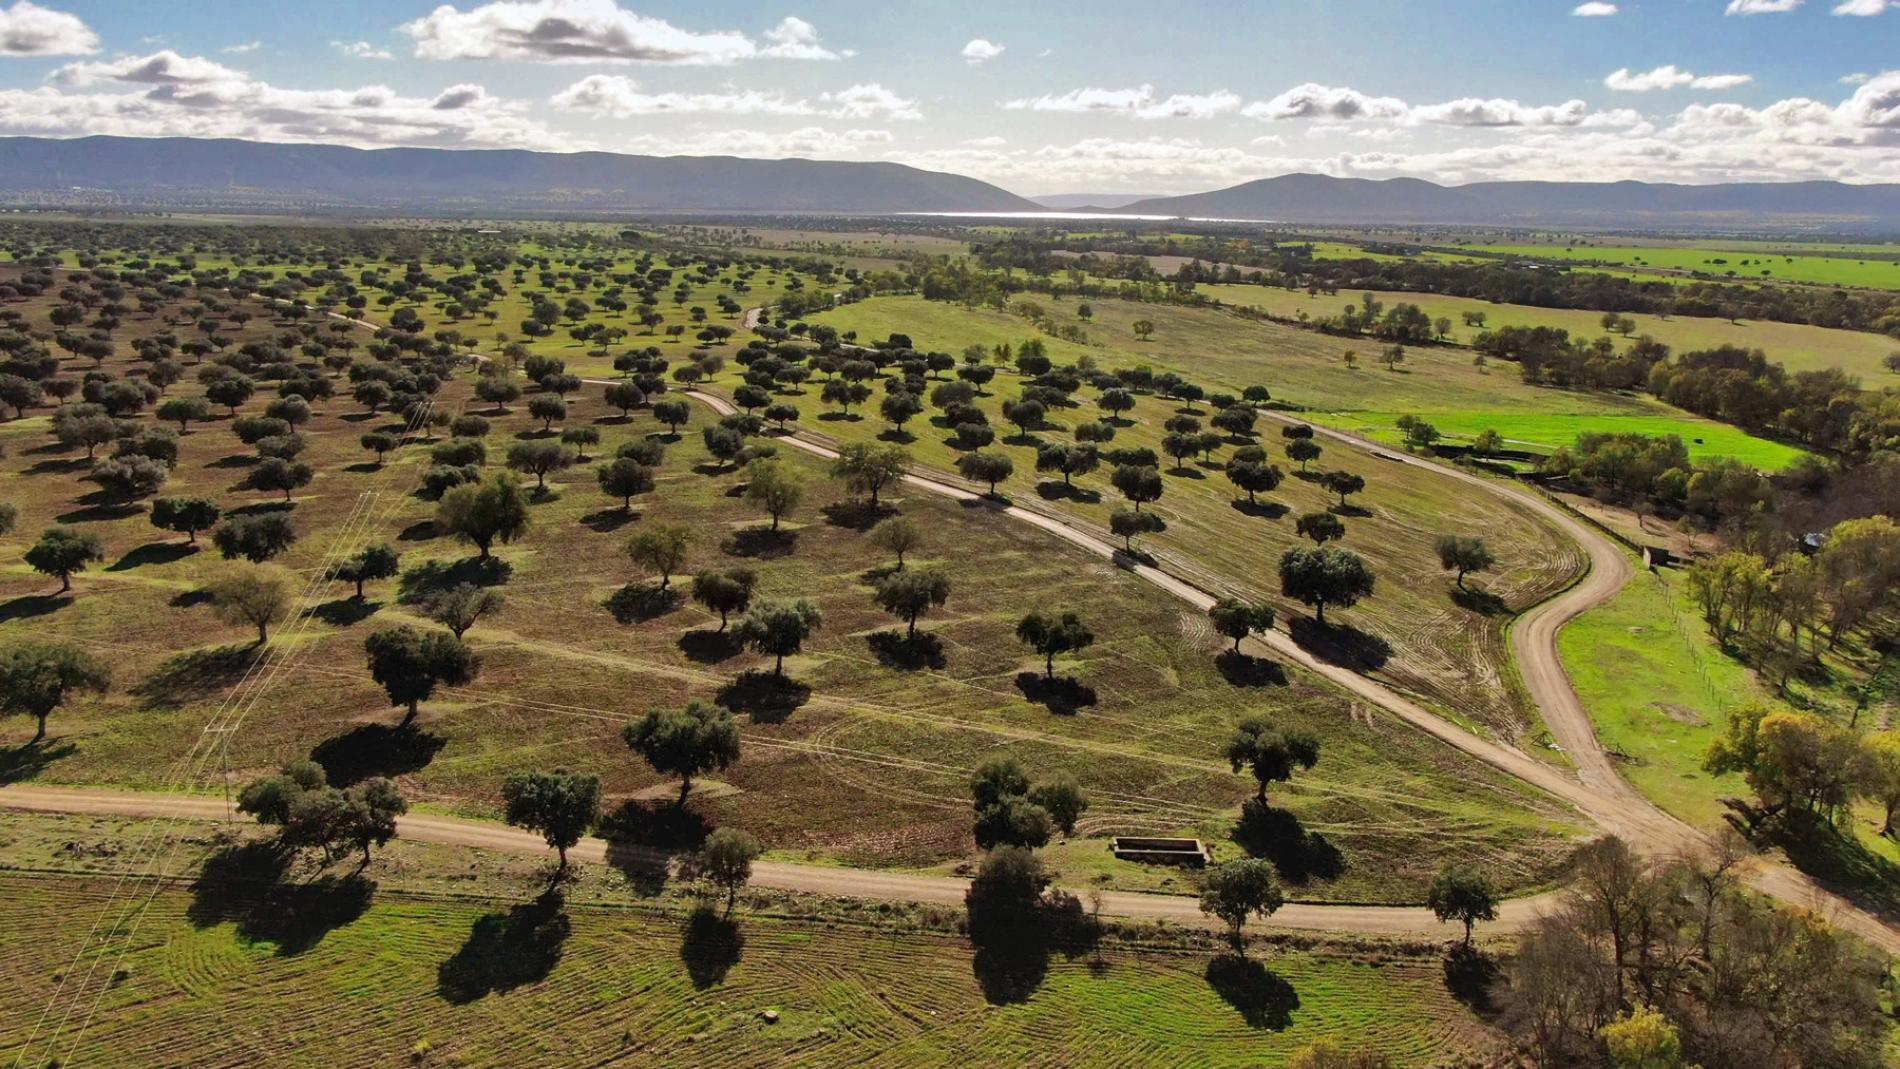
870, 769
1798, 346
459, 981
1451, 654
1307, 369
1657, 687
1756, 265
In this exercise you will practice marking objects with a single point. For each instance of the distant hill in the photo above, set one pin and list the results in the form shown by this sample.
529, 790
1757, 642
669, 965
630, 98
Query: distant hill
230, 174
1063, 202
1312, 198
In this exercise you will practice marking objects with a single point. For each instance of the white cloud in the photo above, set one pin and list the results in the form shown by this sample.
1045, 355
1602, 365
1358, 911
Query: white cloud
1856, 78
169, 95
159, 68
1498, 112
991, 141
361, 50
1862, 7
1668, 76
595, 31
1139, 102
242, 49
27, 29
1312, 101
794, 38
1594, 9
981, 50
1760, 7
617, 95
1337, 104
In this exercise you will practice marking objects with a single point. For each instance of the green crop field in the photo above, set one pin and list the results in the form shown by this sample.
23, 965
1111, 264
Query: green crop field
1741, 266
457, 981
1798, 346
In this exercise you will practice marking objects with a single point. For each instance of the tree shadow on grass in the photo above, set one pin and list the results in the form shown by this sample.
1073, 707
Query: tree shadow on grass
646, 870
1014, 941
856, 515
1298, 855
1471, 976
420, 531
1840, 863
244, 884
1244, 670
638, 602
761, 543
29, 759
430, 578
766, 697
654, 825
1263, 999
894, 649
710, 945
506, 950
1266, 510
1054, 491
261, 508
375, 750
196, 675
188, 599
1062, 695
1341, 644
707, 646
1482, 602
609, 520
345, 612
29, 606
153, 553
59, 467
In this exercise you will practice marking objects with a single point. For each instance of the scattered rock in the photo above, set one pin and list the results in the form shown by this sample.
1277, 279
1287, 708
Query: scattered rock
769, 1016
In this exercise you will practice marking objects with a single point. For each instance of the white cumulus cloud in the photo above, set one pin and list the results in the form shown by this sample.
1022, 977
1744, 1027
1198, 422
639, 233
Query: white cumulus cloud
595, 31
27, 29
1140, 102
1595, 9
981, 50
1760, 7
1669, 76
620, 96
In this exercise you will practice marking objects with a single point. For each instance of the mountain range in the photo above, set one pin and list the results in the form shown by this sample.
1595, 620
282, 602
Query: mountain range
232, 173
227, 174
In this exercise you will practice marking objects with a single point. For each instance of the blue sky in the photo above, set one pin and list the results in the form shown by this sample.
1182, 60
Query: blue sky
1041, 98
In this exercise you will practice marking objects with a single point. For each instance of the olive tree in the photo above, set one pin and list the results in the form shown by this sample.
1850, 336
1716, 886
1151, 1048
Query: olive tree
561, 805
685, 742
64, 552
37, 678
259, 595
409, 664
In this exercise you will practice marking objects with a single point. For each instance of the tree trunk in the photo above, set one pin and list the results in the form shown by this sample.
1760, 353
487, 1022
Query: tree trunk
778, 667
263, 632
1049, 666
65, 582
40, 735
414, 703
686, 788
1319, 613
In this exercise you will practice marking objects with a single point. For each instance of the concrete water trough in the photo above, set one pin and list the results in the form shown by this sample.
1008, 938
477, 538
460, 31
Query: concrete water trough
1159, 851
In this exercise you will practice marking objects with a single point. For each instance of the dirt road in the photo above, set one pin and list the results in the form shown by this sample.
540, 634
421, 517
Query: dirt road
781, 876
